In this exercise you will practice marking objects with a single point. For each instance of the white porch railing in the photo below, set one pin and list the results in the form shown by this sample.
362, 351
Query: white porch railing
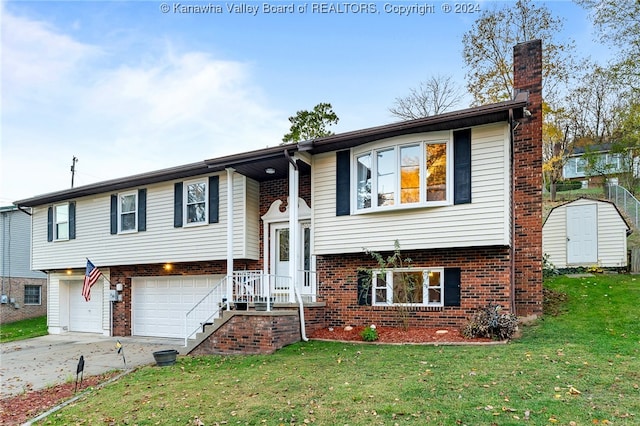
206, 310
249, 287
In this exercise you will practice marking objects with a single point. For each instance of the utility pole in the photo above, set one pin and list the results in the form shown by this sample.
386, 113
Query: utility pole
73, 169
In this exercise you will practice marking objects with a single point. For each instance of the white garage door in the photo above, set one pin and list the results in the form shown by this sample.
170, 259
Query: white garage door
85, 316
159, 304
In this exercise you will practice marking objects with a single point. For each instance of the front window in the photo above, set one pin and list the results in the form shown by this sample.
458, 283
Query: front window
32, 294
128, 211
423, 287
196, 202
62, 222
408, 175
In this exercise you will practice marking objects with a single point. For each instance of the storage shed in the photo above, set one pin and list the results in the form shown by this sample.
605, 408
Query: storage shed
586, 232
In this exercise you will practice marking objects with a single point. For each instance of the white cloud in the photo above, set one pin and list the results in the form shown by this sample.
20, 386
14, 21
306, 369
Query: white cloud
175, 108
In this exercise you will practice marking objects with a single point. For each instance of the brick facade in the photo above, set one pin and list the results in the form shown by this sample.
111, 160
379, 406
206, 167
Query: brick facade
527, 183
14, 289
485, 277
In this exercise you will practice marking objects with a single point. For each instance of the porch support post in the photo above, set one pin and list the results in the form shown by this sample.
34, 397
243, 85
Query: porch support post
230, 172
293, 228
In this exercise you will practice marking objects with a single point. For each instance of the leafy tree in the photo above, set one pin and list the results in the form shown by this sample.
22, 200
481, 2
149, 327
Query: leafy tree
618, 24
555, 146
434, 96
488, 44
306, 125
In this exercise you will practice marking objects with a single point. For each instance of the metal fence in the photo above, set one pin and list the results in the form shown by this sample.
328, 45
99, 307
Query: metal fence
625, 201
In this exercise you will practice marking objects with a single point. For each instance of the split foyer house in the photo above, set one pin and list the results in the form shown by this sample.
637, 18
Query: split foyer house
460, 192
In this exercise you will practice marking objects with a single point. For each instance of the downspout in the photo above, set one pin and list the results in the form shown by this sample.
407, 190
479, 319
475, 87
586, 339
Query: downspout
512, 254
229, 235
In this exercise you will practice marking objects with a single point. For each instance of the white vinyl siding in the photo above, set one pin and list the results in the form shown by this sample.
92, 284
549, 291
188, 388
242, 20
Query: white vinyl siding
483, 222
612, 237
162, 242
59, 286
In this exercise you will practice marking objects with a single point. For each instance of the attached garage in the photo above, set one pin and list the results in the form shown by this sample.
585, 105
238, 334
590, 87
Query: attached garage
85, 316
586, 232
159, 304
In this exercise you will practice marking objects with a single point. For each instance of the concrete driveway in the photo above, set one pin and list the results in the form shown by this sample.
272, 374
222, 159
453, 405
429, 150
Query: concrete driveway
49, 360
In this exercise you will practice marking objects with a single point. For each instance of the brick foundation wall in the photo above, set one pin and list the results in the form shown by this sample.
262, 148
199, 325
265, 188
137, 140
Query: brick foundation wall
527, 181
247, 334
14, 289
485, 277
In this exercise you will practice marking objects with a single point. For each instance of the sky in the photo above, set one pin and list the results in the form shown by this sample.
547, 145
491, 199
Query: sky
129, 87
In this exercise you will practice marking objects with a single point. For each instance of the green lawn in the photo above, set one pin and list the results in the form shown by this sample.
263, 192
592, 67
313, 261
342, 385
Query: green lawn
581, 367
25, 329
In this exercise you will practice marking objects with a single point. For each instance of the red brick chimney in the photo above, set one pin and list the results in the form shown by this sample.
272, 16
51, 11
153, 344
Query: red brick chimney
527, 182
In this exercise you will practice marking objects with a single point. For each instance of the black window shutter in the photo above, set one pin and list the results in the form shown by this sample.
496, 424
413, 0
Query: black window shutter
177, 205
462, 166
142, 209
364, 288
114, 214
343, 182
50, 224
452, 287
214, 199
72, 220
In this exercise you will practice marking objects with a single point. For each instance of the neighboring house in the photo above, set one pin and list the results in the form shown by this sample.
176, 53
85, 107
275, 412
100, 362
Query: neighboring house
609, 164
586, 232
461, 192
24, 292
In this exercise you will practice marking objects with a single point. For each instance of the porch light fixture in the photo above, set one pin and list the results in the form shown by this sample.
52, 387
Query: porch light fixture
167, 267
270, 170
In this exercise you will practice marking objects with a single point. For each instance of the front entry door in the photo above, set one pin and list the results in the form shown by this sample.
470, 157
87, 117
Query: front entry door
280, 256
280, 252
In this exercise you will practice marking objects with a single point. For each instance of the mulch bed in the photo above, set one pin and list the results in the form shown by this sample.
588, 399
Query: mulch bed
398, 335
18, 409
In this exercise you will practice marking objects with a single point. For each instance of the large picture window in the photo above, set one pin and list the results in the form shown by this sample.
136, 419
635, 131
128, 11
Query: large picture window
413, 174
424, 287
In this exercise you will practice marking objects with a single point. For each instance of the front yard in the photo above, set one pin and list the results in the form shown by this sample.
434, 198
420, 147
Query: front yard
581, 367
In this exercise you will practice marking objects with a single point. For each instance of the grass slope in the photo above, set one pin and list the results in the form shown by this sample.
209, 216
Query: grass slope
580, 367
24, 329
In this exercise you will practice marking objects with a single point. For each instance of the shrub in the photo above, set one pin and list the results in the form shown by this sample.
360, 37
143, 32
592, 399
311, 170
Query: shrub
369, 334
491, 322
566, 186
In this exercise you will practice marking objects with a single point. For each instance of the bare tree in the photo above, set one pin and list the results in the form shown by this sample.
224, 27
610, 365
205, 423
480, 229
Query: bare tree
487, 46
438, 94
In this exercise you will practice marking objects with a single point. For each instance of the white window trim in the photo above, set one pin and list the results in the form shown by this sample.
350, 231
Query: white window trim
389, 286
120, 212
56, 222
185, 207
396, 144
39, 295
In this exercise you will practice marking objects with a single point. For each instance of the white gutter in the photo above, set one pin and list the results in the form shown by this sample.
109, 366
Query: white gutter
229, 234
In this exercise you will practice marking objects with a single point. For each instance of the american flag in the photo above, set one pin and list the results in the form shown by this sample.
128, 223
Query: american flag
90, 277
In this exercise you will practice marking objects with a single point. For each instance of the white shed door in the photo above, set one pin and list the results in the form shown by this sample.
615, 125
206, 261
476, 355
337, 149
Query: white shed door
582, 234
159, 304
85, 316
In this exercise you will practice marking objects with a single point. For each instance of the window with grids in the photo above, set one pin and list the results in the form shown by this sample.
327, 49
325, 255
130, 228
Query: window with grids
423, 287
410, 174
32, 294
